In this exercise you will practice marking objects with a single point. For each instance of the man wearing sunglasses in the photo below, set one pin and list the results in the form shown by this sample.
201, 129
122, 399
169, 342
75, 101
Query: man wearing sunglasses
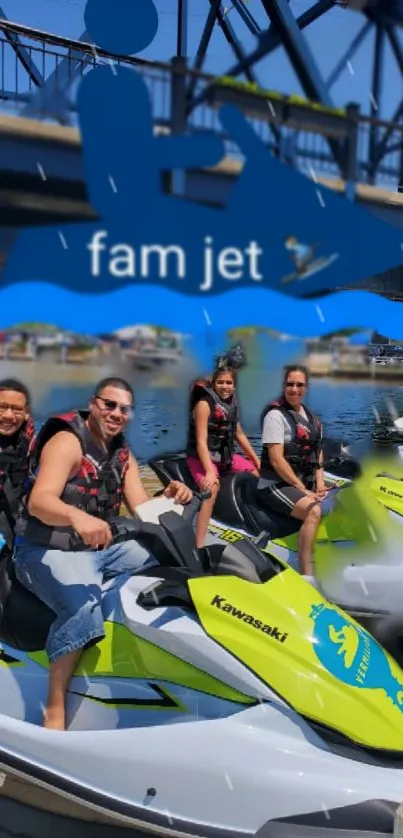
292, 477
81, 471
17, 437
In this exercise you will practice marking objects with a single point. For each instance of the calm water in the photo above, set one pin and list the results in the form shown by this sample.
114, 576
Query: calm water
160, 420
345, 409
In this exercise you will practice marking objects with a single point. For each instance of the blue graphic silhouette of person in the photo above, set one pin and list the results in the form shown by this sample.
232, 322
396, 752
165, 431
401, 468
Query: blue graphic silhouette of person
119, 96
190, 246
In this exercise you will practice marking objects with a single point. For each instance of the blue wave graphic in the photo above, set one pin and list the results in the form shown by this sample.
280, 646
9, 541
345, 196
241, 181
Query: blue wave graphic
92, 314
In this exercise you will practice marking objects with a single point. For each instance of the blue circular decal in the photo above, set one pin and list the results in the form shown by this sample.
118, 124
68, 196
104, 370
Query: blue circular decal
351, 655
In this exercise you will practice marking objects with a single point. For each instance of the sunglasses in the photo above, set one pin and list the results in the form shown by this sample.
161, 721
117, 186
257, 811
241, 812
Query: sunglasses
109, 404
296, 384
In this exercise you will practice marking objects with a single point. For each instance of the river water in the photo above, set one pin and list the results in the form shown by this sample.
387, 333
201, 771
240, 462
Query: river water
160, 419
345, 409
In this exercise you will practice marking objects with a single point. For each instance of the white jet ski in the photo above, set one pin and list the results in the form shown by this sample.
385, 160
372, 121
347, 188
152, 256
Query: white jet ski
228, 699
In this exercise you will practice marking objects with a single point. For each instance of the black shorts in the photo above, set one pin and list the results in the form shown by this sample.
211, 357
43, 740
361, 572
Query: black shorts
281, 497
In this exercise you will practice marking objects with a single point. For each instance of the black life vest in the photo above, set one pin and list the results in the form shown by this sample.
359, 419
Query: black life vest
302, 452
222, 423
97, 488
14, 464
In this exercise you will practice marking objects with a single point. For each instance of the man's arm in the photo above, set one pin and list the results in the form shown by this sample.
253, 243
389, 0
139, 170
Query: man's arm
59, 461
134, 492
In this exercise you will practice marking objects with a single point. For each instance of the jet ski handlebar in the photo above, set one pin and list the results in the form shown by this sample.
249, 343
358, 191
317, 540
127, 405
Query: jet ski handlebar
163, 527
124, 528
191, 509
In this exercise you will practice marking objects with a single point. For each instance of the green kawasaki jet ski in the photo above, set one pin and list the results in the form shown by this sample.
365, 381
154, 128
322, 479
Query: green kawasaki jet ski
228, 698
357, 560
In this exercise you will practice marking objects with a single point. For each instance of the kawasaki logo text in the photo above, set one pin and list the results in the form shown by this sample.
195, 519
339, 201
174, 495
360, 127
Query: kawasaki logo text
273, 631
389, 492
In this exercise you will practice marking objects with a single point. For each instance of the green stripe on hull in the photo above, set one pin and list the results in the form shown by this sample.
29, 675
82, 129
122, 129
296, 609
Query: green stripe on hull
123, 655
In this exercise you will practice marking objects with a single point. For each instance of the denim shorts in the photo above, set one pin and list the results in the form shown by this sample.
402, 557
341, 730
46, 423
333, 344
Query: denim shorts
70, 583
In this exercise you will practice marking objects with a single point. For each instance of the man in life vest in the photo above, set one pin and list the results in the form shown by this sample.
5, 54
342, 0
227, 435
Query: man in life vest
214, 429
81, 470
291, 477
17, 437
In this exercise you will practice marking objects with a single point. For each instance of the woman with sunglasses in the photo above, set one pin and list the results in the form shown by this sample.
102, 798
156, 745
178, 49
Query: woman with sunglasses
291, 477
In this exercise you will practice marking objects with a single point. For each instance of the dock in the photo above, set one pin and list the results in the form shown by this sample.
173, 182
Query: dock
375, 373
150, 480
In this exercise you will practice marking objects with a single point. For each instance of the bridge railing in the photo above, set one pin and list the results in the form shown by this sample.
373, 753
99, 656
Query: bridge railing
39, 73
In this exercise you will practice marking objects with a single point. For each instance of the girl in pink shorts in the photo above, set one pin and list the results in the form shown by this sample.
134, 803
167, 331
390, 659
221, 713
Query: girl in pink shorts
214, 428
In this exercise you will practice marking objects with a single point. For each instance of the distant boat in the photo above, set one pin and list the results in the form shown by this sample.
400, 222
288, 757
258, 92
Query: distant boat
147, 348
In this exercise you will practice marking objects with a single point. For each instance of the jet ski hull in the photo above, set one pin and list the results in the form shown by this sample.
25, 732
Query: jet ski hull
236, 776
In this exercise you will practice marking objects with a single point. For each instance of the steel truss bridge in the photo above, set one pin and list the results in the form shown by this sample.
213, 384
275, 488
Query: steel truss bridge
354, 144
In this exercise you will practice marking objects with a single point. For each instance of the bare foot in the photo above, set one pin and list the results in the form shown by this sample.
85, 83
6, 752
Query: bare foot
54, 719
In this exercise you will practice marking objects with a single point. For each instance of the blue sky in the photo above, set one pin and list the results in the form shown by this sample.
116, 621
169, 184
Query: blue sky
328, 39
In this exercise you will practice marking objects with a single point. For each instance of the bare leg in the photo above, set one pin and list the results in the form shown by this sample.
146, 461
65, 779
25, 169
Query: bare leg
60, 674
306, 540
309, 512
204, 516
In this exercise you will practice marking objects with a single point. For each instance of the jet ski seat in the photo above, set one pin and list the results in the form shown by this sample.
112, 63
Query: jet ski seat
237, 504
24, 619
337, 461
